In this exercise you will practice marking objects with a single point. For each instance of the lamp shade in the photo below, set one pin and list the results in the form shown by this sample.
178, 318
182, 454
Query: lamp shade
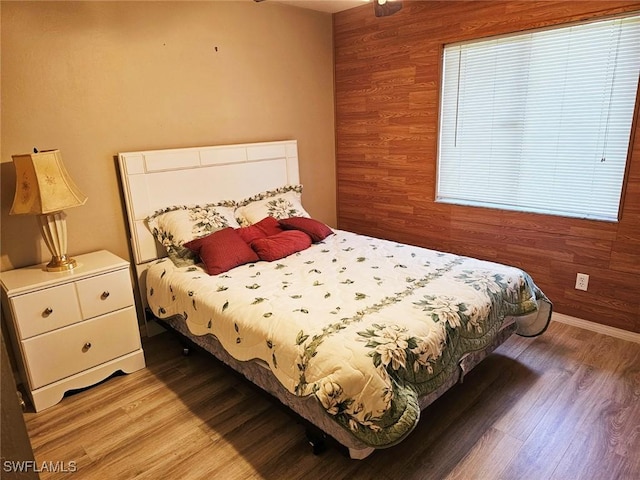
43, 184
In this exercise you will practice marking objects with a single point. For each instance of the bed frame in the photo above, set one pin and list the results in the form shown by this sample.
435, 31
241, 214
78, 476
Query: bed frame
159, 178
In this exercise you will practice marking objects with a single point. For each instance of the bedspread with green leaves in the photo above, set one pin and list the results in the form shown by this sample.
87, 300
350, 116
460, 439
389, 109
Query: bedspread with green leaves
365, 325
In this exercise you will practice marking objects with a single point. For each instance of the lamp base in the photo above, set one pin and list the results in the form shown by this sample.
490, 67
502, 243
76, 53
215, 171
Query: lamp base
61, 264
53, 227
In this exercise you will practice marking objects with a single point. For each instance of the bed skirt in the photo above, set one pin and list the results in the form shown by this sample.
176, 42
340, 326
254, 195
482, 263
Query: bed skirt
308, 407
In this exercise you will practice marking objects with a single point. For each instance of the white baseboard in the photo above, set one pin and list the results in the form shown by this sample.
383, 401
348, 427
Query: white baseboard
596, 327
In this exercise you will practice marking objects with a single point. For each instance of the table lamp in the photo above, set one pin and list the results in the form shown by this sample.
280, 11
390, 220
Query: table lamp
44, 188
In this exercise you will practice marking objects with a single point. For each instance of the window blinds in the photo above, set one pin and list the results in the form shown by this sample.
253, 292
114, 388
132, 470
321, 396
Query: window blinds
540, 121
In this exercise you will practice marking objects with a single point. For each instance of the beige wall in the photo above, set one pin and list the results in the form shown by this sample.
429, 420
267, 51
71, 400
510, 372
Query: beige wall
97, 78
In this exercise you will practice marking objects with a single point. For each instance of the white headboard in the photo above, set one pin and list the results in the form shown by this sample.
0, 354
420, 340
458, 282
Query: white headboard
160, 178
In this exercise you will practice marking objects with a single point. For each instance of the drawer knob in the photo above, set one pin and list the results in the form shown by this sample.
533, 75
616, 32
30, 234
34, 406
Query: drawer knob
47, 311
104, 295
86, 347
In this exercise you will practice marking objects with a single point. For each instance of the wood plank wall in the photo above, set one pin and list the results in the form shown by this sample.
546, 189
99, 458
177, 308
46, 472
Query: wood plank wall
387, 75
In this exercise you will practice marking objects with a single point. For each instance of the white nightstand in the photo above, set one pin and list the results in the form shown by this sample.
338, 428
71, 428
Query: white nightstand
71, 329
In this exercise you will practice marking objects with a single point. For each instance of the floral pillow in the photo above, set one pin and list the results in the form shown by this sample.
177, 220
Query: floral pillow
176, 225
283, 202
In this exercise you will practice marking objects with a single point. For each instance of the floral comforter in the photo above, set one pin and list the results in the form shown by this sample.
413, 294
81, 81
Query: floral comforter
365, 325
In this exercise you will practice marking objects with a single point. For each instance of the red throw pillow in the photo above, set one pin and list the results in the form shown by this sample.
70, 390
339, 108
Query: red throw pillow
222, 251
281, 245
318, 231
264, 228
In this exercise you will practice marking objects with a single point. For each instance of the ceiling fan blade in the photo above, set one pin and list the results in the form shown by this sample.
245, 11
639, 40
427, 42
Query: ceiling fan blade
384, 8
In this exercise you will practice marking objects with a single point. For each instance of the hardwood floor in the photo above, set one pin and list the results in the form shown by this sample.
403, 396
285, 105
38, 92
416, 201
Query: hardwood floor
565, 405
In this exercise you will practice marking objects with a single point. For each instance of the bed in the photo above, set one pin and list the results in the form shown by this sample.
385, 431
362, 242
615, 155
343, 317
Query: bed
355, 334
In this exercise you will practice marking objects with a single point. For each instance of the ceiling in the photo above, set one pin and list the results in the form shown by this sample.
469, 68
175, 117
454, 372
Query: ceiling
329, 6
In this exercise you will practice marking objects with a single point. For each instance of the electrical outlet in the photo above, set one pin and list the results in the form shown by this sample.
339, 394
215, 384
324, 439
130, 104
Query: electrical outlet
582, 281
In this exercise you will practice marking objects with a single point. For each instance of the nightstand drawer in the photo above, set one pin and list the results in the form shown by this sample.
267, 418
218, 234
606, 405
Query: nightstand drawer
105, 293
46, 310
72, 349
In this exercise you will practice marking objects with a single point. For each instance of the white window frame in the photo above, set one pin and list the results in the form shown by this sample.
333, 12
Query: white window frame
506, 142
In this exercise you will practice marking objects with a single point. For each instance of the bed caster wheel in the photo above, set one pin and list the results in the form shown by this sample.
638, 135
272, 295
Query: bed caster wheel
317, 440
186, 351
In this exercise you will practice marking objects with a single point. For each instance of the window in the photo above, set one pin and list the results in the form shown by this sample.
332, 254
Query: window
540, 121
